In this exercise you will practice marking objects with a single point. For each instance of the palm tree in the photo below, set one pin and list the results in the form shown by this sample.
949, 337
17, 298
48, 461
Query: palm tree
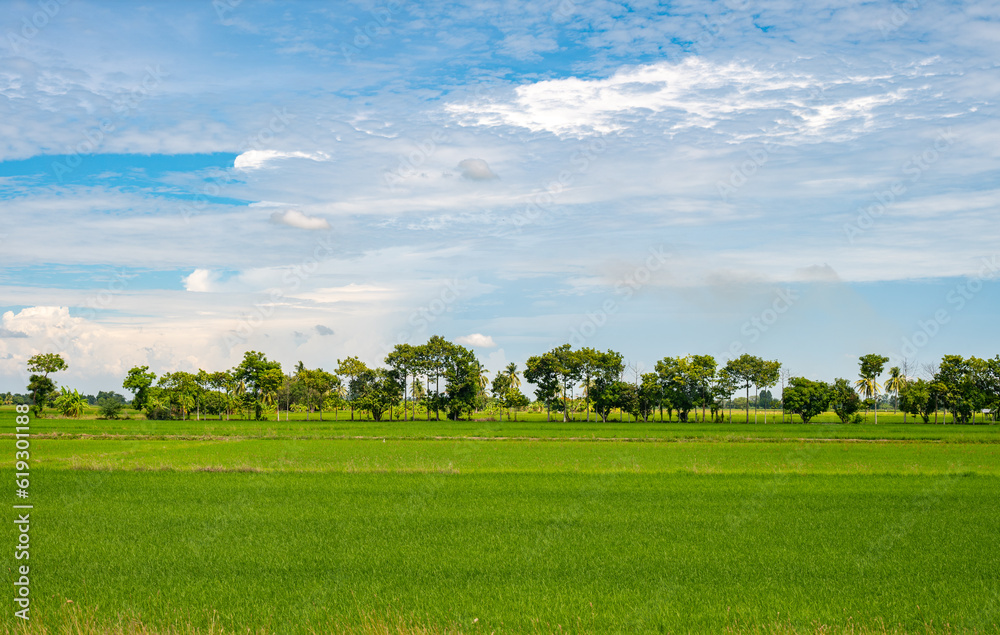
483, 376
511, 371
871, 367
896, 382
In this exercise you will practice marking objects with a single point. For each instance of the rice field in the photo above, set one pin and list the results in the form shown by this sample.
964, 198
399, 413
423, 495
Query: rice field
486, 531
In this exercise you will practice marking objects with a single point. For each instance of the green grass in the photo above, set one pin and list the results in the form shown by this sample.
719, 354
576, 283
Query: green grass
535, 428
691, 533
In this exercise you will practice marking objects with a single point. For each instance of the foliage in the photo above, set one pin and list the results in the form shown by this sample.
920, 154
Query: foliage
110, 407
376, 390
807, 398
71, 404
844, 401
138, 381
41, 386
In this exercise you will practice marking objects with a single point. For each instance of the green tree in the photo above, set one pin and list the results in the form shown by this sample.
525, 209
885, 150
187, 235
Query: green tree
806, 398
405, 360
376, 390
871, 367
742, 373
348, 370
462, 377
605, 387
956, 378
41, 386
893, 385
317, 384
138, 381
845, 401
253, 381
542, 371
71, 404
765, 375
915, 399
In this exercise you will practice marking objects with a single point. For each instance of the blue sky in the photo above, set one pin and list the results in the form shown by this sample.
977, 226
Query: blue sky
182, 182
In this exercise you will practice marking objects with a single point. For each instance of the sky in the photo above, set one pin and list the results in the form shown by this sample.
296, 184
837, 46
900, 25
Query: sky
181, 182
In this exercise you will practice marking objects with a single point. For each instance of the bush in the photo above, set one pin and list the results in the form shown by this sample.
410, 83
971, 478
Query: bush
109, 407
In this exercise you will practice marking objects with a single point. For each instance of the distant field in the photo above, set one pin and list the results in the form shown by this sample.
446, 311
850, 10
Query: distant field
711, 527
535, 428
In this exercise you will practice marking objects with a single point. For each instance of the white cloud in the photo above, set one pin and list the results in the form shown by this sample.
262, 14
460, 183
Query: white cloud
478, 340
476, 170
693, 93
201, 281
295, 218
257, 159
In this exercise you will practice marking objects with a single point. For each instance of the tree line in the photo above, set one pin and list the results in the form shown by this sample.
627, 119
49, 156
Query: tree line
444, 378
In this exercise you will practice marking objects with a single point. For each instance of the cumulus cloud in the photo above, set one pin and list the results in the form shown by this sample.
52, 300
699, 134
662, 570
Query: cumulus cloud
295, 218
324, 330
201, 281
477, 340
257, 159
476, 170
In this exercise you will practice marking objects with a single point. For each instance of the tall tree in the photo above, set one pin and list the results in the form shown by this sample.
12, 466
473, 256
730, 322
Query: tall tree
404, 359
765, 375
567, 365
894, 384
742, 372
41, 386
871, 367
542, 371
349, 369
253, 376
138, 381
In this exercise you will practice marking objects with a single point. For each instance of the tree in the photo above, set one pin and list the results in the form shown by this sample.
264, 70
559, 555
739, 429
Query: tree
567, 366
606, 388
742, 372
462, 376
845, 401
404, 359
542, 371
806, 398
375, 390
956, 378
138, 381
317, 384
71, 404
109, 407
267, 391
41, 386
253, 381
648, 394
349, 369
871, 367
765, 375
915, 398
680, 379
894, 384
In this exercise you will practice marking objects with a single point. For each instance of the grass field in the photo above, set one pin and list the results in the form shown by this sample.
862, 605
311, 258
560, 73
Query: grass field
520, 527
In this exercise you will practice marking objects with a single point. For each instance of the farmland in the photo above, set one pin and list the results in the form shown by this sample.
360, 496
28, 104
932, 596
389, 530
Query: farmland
513, 527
